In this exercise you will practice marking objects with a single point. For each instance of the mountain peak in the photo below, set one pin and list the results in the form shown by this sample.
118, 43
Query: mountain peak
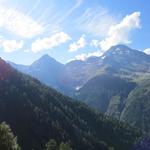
119, 49
122, 50
46, 59
46, 56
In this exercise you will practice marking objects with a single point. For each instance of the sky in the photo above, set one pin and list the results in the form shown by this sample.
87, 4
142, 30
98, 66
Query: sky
71, 29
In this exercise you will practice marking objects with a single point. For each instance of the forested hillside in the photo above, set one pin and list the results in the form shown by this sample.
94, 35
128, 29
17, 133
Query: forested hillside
37, 113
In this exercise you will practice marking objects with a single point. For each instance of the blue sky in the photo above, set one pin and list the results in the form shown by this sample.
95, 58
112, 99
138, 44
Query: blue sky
71, 29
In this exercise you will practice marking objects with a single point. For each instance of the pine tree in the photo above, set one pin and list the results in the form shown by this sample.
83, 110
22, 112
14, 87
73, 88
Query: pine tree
7, 139
51, 145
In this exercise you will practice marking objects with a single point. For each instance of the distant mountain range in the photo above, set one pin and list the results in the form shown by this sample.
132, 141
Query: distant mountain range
37, 113
118, 60
117, 83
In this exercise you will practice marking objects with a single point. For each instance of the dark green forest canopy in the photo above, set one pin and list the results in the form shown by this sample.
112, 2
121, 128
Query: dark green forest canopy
37, 113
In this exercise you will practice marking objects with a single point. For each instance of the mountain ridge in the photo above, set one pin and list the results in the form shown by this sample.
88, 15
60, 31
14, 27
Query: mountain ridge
37, 113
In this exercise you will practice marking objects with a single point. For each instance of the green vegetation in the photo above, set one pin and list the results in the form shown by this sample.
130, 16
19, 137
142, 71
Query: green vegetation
7, 139
106, 93
137, 108
52, 145
116, 97
116, 84
64, 146
37, 113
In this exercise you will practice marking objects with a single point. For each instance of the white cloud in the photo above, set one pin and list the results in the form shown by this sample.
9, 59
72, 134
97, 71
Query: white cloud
18, 23
77, 45
84, 56
147, 51
11, 45
50, 42
94, 43
120, 32
96, 21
